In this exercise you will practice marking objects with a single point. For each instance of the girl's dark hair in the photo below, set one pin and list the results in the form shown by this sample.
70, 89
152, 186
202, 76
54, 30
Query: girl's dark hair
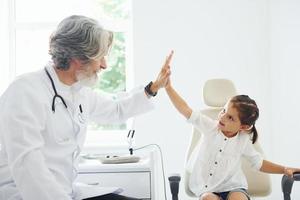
248, 112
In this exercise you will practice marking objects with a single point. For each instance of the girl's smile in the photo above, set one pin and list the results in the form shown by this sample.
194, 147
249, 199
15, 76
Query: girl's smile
221, 124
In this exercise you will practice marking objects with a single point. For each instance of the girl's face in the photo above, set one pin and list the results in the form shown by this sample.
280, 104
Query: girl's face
229, 121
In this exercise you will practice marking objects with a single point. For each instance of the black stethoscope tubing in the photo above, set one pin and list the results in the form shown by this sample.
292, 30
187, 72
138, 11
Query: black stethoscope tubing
55, 93
62, 99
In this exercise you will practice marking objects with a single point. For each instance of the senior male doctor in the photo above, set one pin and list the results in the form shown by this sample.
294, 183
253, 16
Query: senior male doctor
44, 114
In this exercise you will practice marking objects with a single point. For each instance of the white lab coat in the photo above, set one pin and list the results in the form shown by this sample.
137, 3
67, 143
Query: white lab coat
39, 148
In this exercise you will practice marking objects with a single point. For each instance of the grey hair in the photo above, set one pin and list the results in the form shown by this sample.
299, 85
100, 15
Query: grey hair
78, 37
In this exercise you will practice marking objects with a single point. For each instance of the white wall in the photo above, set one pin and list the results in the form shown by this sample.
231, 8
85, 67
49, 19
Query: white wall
252, 42
285, 95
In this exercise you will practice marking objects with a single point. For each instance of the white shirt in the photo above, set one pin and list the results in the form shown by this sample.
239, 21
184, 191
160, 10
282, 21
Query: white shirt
215, 163
39, 148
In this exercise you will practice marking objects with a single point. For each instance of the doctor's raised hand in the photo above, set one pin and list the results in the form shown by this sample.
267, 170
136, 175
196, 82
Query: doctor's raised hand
44, 116
162, 78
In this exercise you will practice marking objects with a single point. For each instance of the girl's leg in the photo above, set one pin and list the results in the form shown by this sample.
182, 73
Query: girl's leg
112, 197
237, 196
209, 196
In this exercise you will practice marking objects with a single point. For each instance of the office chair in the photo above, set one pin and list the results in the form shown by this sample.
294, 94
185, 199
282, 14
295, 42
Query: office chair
216, 92
287, 184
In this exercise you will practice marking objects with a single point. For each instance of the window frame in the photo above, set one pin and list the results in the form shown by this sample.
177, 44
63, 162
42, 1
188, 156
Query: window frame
108, 135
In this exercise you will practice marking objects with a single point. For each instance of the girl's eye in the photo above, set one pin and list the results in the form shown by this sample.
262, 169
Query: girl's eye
230, 118
223, 111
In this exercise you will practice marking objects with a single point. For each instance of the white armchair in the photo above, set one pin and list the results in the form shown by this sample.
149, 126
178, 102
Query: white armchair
216, 92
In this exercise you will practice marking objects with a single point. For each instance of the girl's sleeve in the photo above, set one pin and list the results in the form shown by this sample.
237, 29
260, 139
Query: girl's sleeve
252, 155
201, 122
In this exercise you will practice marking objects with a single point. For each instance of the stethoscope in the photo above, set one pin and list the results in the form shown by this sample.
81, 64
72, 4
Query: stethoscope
80, 117
56, 95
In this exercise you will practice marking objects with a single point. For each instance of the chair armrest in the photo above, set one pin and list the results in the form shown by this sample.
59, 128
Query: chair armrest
174, 180
296, 176
287, 184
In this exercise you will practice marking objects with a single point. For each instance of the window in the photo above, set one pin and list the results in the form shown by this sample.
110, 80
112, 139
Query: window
4, 47
31, 22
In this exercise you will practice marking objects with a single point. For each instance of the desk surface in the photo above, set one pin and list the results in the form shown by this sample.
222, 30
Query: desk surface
95, 165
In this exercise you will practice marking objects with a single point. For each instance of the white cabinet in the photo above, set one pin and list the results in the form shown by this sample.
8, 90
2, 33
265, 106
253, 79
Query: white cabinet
134, 184
135, 179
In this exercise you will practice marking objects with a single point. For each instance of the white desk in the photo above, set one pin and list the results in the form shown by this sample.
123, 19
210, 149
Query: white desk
136, 179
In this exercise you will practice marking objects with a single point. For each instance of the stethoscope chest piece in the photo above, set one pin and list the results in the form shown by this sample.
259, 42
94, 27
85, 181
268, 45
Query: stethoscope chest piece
81, 118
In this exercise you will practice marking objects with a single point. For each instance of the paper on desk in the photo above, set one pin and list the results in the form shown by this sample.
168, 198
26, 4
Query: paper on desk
84, 191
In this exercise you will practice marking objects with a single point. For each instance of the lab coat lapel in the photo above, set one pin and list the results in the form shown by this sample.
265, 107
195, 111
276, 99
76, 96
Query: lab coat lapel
70, 95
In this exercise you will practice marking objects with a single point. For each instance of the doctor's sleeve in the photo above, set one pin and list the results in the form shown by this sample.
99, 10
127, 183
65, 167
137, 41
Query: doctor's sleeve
111, 111
22, 121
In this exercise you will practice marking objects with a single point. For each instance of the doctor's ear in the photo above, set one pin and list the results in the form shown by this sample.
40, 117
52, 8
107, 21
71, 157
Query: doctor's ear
75, 64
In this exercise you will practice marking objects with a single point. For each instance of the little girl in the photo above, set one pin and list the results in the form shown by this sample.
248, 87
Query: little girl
215, 165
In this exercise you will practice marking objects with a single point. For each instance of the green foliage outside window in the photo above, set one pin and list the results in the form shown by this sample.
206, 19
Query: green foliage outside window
113, 79
115, 9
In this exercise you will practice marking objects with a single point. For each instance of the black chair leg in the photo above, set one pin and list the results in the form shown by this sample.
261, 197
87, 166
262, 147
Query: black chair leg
287, 185
174, 185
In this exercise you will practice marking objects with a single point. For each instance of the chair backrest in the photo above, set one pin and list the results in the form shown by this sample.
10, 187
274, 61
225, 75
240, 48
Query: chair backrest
216, 92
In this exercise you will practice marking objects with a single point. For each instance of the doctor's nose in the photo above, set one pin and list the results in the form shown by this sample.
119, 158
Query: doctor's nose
103, 64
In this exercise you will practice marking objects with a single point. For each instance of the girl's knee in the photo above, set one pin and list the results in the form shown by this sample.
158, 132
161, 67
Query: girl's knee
209, 196
237, 196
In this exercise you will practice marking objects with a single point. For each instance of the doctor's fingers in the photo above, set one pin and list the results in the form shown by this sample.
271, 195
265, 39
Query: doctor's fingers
165, 73
165, 70
168, 60
164, 79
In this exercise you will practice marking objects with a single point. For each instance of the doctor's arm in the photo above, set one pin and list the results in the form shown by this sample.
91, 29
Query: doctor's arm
23, 119
105, 110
